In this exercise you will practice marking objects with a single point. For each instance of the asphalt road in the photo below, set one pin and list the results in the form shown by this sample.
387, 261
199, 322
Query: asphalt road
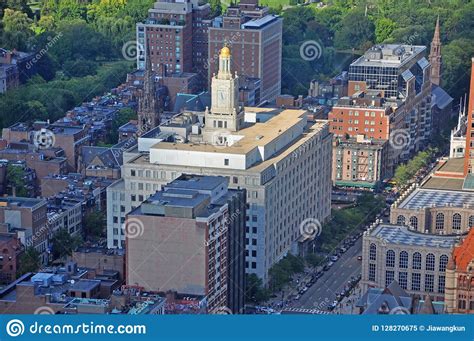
321, 294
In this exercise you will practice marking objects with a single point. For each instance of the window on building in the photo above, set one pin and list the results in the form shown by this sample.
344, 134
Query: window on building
389, 277
372, 272
403, 279
417, 261
403, 260
400, 220
429, 282
373, 252
414, 222
390, 259
456, 221
471, 221
443, 262
226, 162
439, 223
430, 262
415, 282
441, 284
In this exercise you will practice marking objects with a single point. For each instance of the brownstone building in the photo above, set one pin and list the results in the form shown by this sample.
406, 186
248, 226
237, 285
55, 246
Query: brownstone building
10, 250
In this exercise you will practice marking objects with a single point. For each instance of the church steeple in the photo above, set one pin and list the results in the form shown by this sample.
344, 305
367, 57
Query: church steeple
435, 56
148, 108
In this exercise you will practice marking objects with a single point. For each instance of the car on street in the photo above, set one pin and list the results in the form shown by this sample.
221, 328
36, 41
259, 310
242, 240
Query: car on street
334, 258
359, 257
333, 305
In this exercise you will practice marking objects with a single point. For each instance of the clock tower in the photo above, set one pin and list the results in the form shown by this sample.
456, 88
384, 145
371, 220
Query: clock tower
226, 113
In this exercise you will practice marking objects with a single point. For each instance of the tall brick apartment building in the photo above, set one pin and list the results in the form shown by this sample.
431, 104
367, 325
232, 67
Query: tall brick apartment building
175, 37
256, 40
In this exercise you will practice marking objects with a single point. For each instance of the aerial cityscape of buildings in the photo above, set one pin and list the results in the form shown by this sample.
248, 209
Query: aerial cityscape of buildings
221, 177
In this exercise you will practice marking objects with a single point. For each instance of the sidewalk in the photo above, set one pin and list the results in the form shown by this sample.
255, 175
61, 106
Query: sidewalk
347, 305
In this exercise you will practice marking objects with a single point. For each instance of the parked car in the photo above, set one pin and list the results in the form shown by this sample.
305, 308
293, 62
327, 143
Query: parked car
334, 258
359, 257
333, 305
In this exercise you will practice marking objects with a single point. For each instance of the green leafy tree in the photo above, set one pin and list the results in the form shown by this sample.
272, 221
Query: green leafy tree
16, 180
383, 29
29, 261
124, 115
94, 224
254, 290
64, 244
356, 31
216, 7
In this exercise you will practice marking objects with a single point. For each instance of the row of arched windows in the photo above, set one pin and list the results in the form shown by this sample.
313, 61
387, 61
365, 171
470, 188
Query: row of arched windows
403, 260
456, 222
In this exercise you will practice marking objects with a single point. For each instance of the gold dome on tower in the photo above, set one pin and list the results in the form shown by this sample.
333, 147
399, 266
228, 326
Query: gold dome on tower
225, 52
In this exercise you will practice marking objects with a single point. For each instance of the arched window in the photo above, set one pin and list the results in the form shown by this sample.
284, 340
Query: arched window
373, 252
400, 220
456, 221
417, 261
471, 221
430, 262
390, 259
414, 222
443, 261
403, 260
439, 221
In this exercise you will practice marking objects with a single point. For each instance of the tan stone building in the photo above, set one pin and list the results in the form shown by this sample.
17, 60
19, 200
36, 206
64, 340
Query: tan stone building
434, 211
416, 260
281, 157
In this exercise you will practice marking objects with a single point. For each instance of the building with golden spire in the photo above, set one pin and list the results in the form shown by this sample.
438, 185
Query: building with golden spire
226, 114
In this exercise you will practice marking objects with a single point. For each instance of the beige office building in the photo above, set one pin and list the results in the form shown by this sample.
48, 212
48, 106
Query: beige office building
281, 158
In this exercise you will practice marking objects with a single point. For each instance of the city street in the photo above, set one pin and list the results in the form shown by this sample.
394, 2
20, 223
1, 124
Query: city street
323, 292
